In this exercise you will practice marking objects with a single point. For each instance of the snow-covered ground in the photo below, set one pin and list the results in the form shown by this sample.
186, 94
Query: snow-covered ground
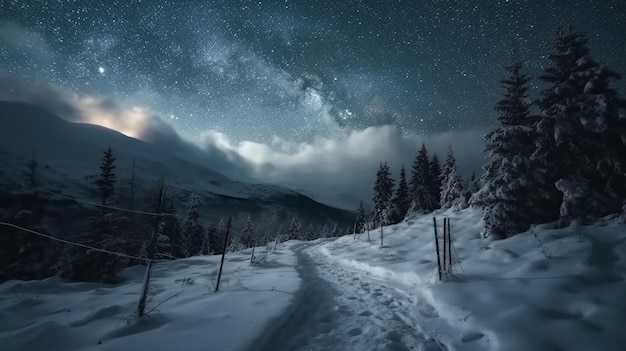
548, 289
54, 315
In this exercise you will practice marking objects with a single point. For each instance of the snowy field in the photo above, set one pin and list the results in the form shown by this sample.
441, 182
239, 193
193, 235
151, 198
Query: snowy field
548, 289
53, 315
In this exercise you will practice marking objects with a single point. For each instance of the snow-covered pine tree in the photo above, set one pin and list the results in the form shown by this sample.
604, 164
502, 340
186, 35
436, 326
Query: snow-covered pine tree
401, 201
421, 191
192, 231
361, 218
247, 235
582, 133
435, 171
383, 192
106, 181
472, 186
512, 191
452, 188
293, 233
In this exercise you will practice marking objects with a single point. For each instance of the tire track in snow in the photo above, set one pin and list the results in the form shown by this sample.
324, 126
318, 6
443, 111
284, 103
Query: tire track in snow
338, 309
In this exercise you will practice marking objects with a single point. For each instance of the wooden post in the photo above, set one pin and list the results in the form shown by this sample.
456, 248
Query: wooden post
437, 247
368, 231
381, 231
219, 274
449, 245
354, 231
445, 244
141, 307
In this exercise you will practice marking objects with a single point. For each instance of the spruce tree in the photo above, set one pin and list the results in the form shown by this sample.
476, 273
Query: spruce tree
383, 191
361, 218
293, 233
192, 230
582, 133
435, 171
247, 234
401, 199
511, 196
105, 183
421, 191
452, 188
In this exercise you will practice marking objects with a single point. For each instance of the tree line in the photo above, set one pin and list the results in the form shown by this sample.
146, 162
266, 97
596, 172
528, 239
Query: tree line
118, 223
558, 158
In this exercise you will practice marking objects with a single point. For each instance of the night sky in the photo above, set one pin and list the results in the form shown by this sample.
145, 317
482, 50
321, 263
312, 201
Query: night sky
297, 70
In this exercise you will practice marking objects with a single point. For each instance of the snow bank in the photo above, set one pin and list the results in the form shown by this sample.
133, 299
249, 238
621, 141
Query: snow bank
547, 289
55, 315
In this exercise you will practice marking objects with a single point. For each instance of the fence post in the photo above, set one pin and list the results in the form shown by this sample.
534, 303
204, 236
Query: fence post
449, 245
381, 231
141, 307
437, 247
219, 275
445, 244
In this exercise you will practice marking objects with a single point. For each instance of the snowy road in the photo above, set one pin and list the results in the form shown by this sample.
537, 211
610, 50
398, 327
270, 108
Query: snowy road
341, 309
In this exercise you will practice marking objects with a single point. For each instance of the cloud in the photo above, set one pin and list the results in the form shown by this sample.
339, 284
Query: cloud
340, 165
347, 165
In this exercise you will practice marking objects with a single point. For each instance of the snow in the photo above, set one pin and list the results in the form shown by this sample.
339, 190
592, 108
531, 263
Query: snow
504, 295
56, 315
547, 289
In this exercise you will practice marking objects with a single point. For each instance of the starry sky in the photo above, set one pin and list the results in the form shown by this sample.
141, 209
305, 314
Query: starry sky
296, 70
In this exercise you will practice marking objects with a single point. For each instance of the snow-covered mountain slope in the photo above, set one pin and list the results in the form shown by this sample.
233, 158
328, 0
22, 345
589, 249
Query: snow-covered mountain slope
73, 151
548, 289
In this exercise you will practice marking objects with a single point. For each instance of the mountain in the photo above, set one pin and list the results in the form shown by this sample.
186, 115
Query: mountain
71, 153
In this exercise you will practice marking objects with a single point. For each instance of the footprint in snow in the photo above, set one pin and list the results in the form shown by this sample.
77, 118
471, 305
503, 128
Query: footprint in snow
355, 332
471, 336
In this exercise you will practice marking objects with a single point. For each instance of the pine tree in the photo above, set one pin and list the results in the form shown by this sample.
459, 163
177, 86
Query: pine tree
383, 191
293, 233
421, 191
471, 188
452, 187
192, 230
361, 218
511, 195
401, 199
582, 133
107, 179
247, 234
435, 172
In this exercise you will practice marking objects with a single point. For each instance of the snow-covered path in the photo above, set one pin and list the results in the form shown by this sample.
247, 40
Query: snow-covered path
341, 309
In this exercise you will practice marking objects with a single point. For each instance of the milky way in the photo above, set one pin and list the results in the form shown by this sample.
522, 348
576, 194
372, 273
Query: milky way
296, 69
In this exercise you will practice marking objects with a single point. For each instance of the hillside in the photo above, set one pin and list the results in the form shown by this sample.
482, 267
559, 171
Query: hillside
71, 154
